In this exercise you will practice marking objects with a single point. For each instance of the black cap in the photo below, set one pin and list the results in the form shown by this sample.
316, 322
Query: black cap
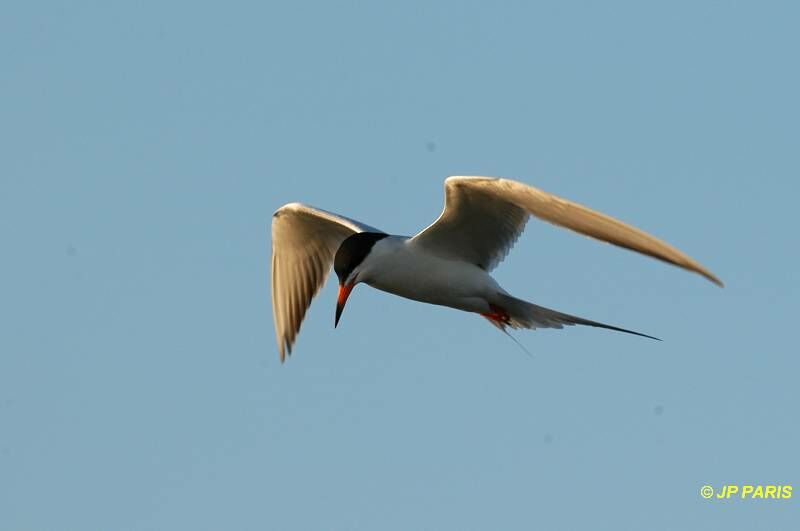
352, 252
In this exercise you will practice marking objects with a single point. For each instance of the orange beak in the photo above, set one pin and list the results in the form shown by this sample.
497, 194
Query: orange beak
341, 300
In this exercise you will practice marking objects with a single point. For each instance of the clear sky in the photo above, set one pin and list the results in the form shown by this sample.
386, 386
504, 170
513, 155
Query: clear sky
145, 146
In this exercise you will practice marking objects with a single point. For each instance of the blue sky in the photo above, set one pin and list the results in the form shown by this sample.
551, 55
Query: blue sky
145, 147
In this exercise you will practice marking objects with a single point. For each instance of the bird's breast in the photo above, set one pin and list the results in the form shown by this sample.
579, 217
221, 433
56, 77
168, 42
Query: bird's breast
425, 277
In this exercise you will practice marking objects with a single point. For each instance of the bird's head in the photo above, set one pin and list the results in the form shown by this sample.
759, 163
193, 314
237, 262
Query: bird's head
349, 263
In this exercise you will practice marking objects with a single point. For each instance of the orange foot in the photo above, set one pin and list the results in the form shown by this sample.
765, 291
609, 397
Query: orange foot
497, 316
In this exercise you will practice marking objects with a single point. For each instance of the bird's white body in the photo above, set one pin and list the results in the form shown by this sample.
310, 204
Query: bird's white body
398, 266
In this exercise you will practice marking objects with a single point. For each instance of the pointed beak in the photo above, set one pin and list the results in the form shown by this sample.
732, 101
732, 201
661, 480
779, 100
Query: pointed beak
341, 300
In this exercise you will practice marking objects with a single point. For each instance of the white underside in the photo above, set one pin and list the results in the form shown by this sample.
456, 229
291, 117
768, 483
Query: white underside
397, 266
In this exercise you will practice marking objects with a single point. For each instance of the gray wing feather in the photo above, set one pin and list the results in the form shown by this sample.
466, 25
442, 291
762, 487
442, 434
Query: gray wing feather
304, 242
483, 217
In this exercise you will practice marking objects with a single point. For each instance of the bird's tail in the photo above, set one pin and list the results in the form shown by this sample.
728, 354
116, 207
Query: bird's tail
517, 313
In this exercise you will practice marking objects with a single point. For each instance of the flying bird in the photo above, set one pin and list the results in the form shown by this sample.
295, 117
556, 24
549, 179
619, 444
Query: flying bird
447, 264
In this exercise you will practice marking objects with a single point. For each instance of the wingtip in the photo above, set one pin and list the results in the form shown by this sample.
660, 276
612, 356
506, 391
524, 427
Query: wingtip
284, 351
713, 278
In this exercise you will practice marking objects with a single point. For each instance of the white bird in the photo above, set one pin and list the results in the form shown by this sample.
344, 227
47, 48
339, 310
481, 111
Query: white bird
448, 263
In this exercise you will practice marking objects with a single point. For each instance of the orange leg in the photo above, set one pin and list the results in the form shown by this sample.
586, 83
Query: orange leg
497, 316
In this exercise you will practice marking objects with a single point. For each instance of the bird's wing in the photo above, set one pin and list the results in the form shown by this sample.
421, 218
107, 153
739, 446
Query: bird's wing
304, 242
483, 217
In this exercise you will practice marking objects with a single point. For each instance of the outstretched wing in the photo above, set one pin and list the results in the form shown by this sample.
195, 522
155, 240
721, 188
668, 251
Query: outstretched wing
484, 216
304, 242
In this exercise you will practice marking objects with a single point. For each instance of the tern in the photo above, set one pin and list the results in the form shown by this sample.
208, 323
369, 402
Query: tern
448, 263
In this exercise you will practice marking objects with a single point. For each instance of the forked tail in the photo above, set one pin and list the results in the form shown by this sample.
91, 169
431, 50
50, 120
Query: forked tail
518, 313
